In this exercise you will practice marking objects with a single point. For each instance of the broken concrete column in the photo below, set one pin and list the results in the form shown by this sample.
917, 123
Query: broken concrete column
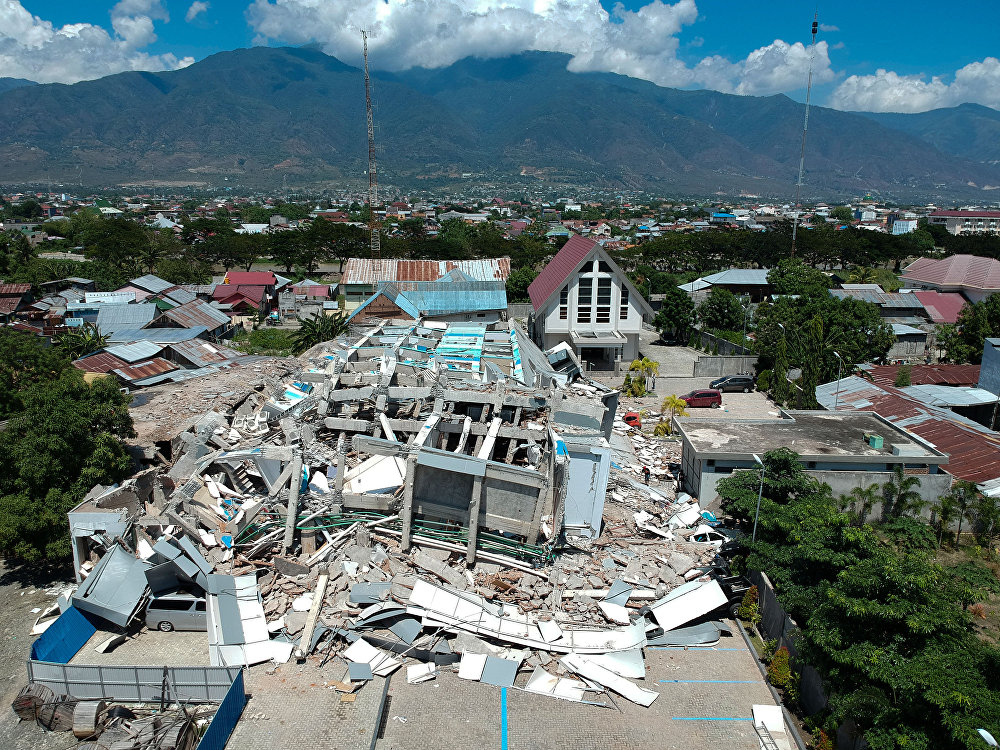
406, 512
293, 502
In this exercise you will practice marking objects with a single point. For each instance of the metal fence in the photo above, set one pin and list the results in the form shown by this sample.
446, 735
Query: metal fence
63, 638
225, 719
135, 684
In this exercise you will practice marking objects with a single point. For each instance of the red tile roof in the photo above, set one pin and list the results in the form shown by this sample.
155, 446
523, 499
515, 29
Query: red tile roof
942, 307
100, 362
967, 375
557, 270
250, 278
956, 270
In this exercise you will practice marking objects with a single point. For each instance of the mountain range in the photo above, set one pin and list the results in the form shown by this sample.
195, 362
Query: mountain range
261, 116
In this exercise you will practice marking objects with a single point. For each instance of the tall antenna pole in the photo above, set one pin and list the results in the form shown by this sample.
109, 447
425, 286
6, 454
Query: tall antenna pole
373, 223
805, 129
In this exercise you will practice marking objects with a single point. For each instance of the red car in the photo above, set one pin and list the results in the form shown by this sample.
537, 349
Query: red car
704, 397
632, 419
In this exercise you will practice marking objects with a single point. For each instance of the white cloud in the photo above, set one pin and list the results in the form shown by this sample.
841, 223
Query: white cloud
887, 91
434, 33
828, 27
33, 48
196, 7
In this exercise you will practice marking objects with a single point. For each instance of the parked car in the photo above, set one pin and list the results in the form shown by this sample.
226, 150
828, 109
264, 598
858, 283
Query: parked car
177, 610
632, 419
704, 397
734, 384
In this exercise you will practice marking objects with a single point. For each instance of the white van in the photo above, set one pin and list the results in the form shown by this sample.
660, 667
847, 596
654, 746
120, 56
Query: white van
176, 610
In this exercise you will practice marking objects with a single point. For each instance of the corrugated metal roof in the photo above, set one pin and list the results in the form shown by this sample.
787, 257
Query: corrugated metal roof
100, 362
225, 291
957, 270
443, 298
135, 352
156, 366
901, 329
156, 335
152, 284
974, 451
557, 270
940, 374
907, 301
201, 353
197, 313
950, 395
112, 318
941, 307
369, 271
250, 278
739, 277
7, 290
180, 296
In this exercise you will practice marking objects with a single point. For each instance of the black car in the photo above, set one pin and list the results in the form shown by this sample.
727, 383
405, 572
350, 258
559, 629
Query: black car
734, 384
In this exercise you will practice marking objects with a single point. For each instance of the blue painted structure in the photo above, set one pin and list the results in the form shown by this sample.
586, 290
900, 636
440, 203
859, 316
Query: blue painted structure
63, 638
226, 718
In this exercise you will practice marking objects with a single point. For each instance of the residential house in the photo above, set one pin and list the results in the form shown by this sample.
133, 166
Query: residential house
197, 313
445, 301
13, 299
362, 276
941, 307
973, 277
834, 448
584, 299
743, 282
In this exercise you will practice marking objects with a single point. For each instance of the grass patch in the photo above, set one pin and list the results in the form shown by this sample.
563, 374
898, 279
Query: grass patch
270, 341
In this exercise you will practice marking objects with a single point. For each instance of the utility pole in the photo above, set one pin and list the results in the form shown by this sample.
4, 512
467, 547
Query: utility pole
373, 223
805, 129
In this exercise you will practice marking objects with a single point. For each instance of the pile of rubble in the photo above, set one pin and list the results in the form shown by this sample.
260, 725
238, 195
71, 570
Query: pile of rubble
389, 504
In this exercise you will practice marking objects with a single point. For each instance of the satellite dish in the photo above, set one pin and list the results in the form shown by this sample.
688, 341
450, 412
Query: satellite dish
987, 737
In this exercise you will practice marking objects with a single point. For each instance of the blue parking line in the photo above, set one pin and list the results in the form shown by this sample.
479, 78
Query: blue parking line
503, 718
720, 682
711, 718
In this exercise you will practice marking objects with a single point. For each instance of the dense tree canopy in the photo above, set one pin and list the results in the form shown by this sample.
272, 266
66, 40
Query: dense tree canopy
885, 625
63, 436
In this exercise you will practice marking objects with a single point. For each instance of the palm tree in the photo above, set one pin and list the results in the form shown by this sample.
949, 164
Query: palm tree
316, 329
899, 496
947, 512
963, 494
81, 341
863, 275
645, 366
672, 406
861, 501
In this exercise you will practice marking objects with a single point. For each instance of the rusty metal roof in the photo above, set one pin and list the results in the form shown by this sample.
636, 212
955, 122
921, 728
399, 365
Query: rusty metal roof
201, 353
974, 451
369, 271
7, 290
100, 362
940, 374
155, 366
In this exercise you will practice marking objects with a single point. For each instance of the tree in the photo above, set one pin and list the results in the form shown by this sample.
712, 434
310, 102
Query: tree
23, 364
903, 376
949, 341
673, 406
792, 276
963, 495
986, 512
899, 496
317, 329
517, 284
860, 502
285, 248
779, 375
843, 214
721, 311
812, 365
947, 513
676, 314
977, 322
67, 438
81, 341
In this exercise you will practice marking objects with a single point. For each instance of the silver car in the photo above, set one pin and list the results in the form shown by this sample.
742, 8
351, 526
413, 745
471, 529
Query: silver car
176, 610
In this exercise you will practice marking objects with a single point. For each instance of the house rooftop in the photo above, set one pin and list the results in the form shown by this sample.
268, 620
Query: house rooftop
814, 435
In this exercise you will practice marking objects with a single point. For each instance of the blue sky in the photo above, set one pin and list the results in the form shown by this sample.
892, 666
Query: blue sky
871, 55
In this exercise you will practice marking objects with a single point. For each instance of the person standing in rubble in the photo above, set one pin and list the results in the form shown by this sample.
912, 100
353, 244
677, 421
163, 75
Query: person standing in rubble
645, 474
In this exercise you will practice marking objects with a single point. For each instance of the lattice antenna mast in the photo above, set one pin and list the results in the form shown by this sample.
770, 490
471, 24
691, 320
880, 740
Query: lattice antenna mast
805, 129
373, 223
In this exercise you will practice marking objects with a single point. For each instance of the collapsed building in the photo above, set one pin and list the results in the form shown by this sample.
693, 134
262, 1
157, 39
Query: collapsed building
416, 490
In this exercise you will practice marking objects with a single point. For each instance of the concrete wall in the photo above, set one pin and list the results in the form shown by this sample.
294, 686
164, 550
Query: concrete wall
989, 373
716, 367
932, 486
519, 310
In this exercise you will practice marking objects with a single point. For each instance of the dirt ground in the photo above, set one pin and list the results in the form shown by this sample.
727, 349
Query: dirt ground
23, 589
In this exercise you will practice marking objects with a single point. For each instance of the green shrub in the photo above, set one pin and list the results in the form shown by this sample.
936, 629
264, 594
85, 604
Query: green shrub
749, 610
662, 429
821, 741
779, 671
264, 341
764, 381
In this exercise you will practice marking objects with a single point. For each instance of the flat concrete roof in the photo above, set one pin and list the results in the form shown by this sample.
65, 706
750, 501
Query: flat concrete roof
813, 434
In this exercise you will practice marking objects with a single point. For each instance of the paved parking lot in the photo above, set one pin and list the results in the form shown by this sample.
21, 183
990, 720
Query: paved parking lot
176, 649
705, 702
